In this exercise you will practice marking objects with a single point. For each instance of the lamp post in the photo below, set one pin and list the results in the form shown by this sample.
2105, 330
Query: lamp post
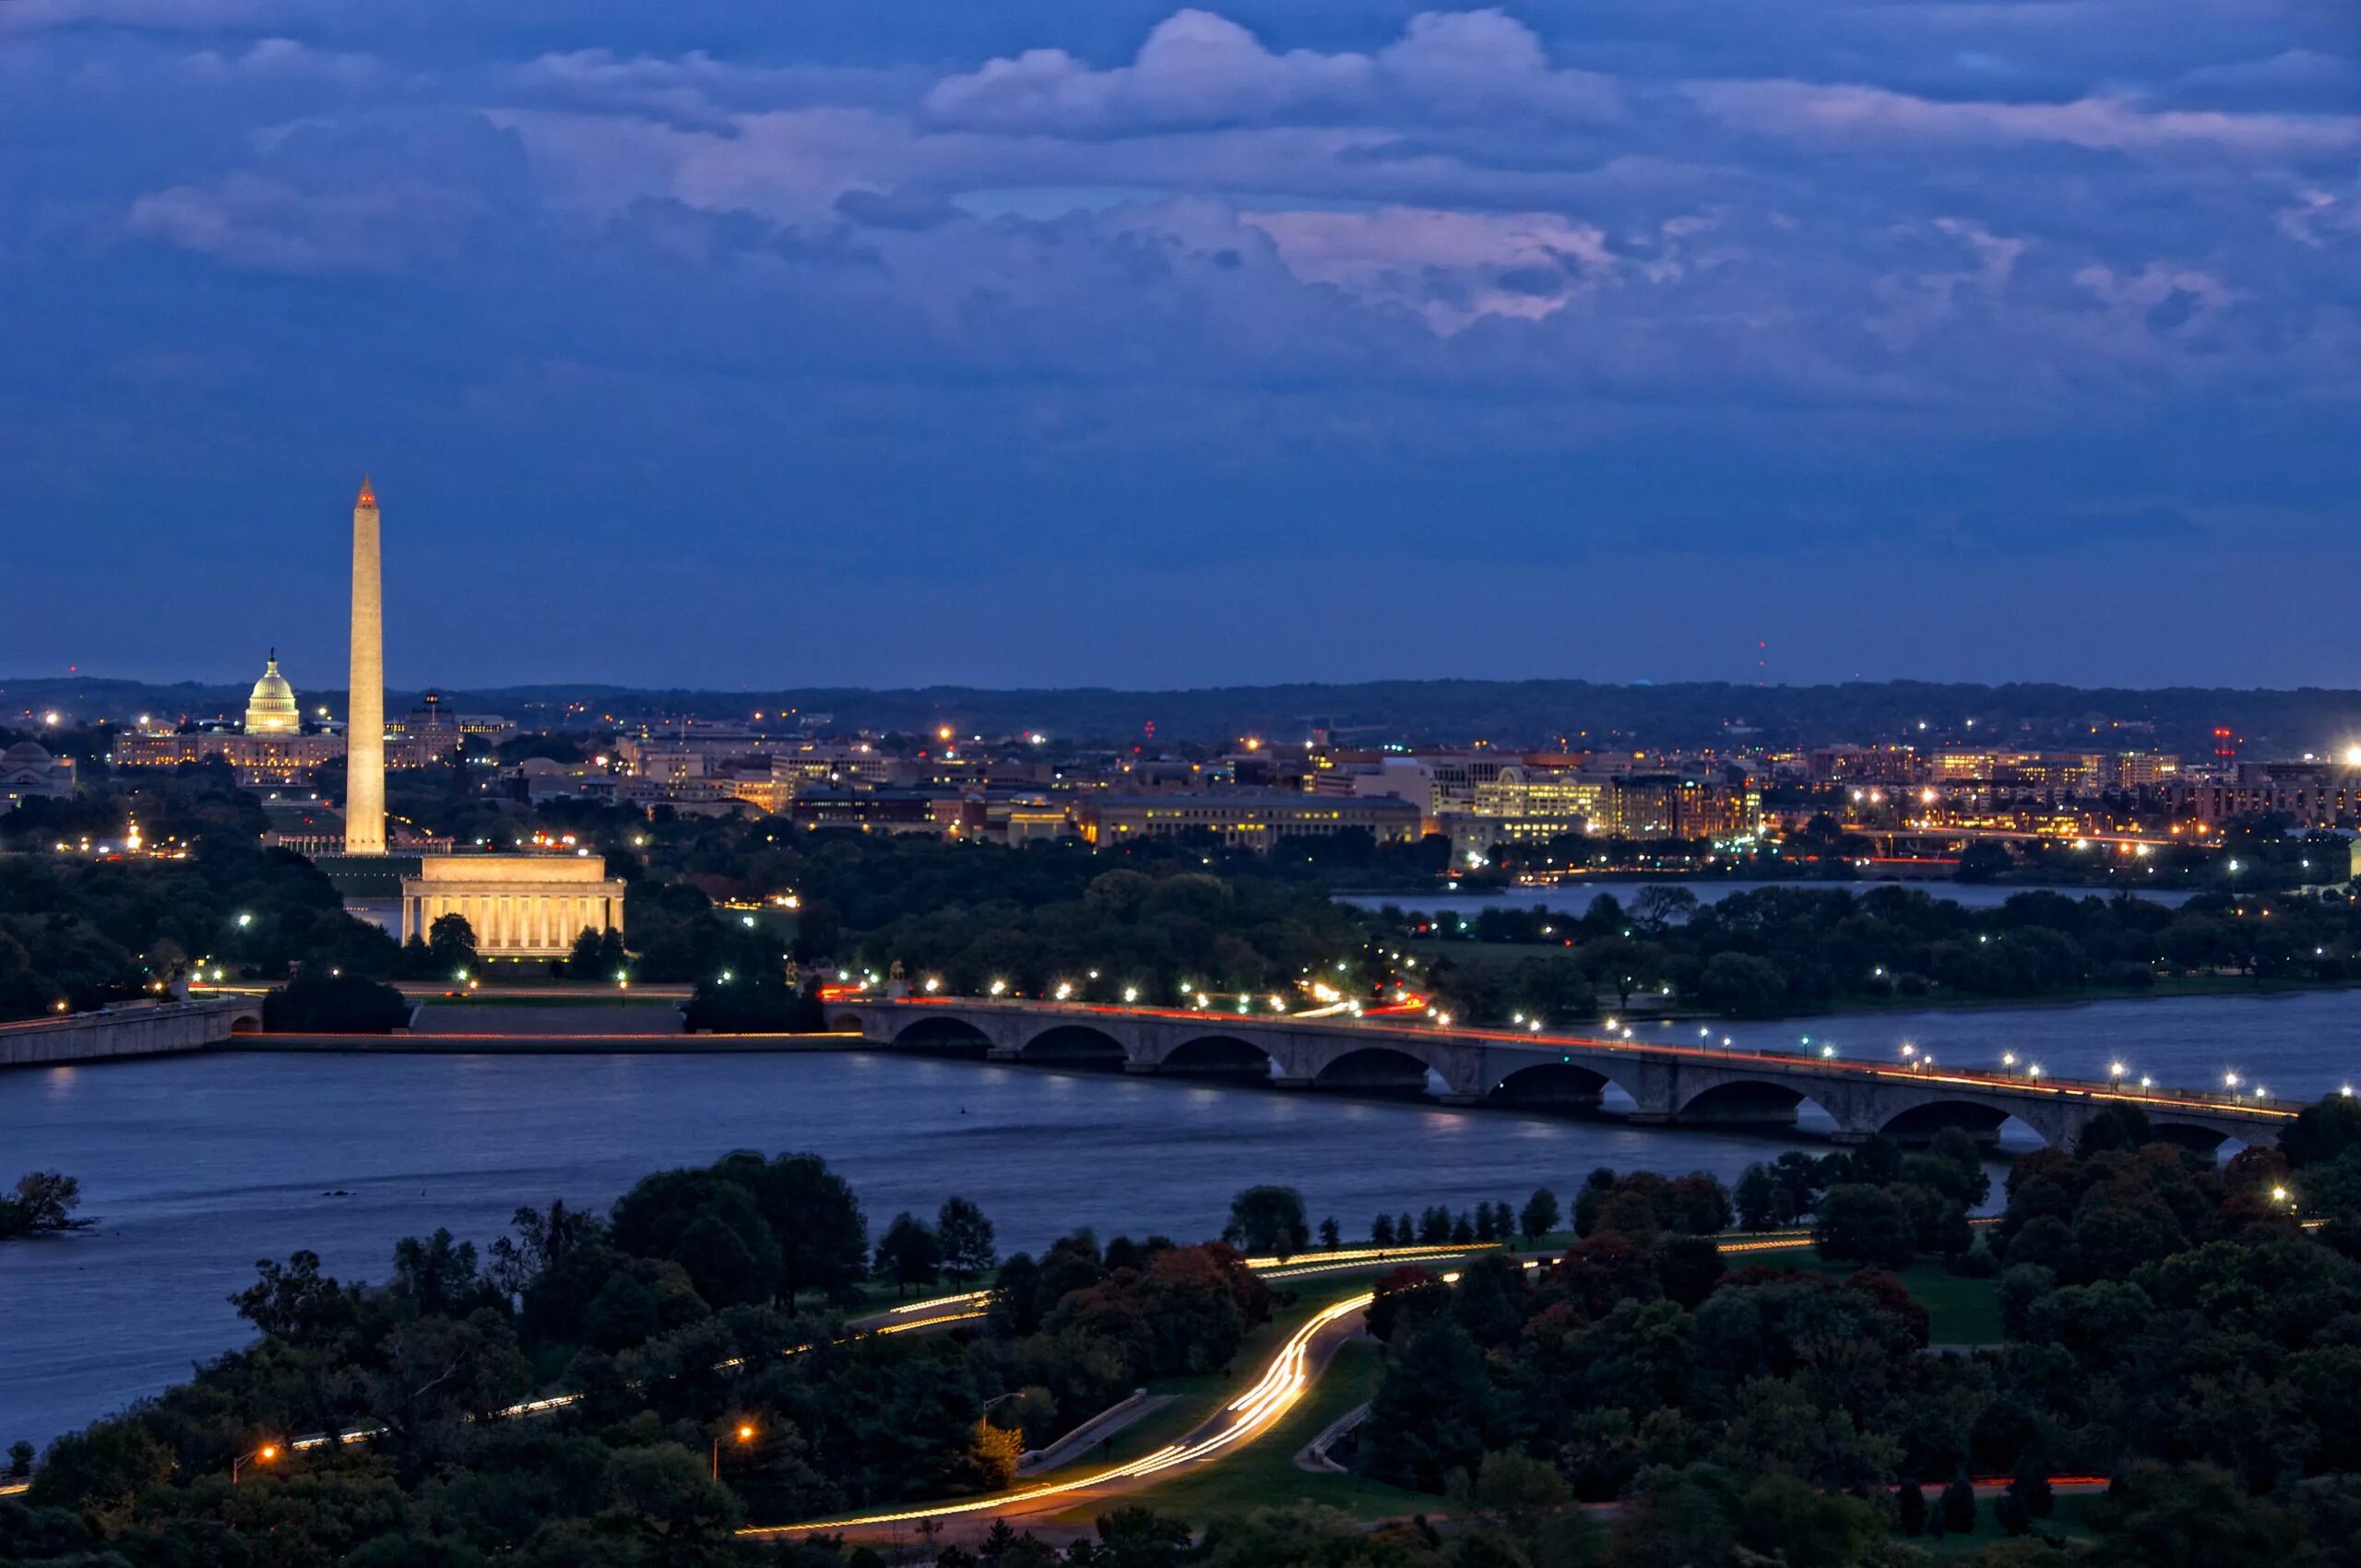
264, 1454
743, 1433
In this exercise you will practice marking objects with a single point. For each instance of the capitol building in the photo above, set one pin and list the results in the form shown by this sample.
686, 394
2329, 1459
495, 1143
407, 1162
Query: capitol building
271, 709
273, 749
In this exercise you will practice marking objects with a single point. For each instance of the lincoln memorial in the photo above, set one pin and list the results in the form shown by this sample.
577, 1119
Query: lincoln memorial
519, 906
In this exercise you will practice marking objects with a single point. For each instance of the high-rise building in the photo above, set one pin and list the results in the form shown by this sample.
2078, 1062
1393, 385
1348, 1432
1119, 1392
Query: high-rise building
364, 744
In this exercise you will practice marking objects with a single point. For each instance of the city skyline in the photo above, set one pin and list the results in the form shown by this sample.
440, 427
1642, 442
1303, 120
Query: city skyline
1624, 342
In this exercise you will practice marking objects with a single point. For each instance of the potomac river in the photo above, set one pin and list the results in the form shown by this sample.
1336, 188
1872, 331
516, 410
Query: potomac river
194, 1167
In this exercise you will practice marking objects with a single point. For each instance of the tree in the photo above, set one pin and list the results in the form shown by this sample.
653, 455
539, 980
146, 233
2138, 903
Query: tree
2321, 1132
100, 1469
44, 1204
966, 1239
1268, 1220
1864, 1224
1909, 1506
1427, 1416
1381, 1231
322, 1002
1331, 1235
1756, 1197
1017, 1306
1743, 985
1957, 1505
908, 1253
451, 944
821, 1234
1511, 1489
1539, 1216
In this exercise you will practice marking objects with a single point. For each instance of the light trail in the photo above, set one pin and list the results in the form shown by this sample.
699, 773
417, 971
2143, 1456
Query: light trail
1282, 1384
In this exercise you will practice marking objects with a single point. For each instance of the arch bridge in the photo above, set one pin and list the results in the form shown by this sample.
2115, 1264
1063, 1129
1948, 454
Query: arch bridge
1687, 1085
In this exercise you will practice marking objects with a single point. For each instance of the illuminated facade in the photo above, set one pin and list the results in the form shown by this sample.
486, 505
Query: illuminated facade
519, 906
270, 709
1247, 818
281, 761
27, 773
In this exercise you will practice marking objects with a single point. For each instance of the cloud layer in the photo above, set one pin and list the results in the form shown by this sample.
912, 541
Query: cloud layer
1712, 324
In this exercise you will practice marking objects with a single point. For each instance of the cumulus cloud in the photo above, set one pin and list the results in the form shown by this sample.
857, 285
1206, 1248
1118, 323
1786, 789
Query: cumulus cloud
1198, 69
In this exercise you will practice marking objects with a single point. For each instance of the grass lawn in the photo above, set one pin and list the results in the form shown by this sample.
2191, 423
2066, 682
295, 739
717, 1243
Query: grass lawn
2071, 1520
1262, 1473
1960, 1311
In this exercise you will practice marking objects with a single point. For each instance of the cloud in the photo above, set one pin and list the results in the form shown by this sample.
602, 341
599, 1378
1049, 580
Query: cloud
900, 209
1262, 279
1867, 118
166, 16
384, 194
1199, 70
283, 59
1448, 268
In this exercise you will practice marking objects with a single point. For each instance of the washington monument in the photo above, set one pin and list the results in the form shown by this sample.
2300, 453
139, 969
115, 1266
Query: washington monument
364, 729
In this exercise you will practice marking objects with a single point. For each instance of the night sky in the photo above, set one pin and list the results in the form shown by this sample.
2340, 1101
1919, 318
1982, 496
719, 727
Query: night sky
887, 341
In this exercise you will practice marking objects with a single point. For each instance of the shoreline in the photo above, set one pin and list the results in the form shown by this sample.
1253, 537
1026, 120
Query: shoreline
541, 1045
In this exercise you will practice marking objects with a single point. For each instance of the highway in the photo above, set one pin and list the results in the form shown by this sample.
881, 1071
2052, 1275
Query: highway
1254, 1411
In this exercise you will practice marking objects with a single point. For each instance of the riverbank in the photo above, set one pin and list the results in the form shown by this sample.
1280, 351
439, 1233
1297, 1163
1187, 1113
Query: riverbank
675, 1044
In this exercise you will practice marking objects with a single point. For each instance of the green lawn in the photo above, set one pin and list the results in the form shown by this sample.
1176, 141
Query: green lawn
1960, 1311
2071, 1520
1263, 1474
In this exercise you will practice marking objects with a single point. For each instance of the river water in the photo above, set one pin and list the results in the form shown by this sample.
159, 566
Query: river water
195, 1166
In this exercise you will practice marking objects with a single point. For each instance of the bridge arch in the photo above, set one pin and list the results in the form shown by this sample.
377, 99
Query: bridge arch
1920, 1123
1072, 1045
2193, 1135
1744, 1102
942, 1033
846, 1022
1217, 1056
1373, 1069
1544, 1084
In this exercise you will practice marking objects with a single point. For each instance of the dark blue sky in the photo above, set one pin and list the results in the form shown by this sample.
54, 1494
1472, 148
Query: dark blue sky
1113, 343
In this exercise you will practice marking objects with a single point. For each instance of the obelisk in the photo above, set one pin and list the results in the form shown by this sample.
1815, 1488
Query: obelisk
364, 728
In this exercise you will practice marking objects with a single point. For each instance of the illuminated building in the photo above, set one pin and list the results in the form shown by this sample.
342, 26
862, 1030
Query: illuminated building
519, 906
27, 773
271, 709
2311, 794
1249, 818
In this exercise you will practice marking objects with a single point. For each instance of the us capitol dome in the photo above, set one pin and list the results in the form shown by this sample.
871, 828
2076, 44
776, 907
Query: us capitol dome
271, 709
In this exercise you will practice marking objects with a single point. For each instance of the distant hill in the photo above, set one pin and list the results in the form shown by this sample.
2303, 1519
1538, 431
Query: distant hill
1508, 713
